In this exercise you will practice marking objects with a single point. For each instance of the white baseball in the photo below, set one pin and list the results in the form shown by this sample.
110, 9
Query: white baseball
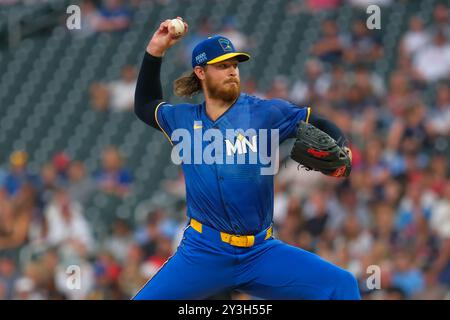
177, 26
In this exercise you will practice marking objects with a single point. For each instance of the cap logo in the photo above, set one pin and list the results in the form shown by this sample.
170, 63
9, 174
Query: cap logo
225, 44
201, 58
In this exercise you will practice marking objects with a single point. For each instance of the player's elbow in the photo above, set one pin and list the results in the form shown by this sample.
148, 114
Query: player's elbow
146, 112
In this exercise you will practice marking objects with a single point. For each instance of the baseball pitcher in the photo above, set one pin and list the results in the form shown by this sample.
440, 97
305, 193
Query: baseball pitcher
228, 242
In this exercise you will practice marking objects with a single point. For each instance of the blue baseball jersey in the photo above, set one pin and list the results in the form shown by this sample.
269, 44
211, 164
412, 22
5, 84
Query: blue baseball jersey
235, 198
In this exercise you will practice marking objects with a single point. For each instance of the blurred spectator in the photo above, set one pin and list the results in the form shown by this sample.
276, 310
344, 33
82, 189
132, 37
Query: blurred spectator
363, 91
438, 173
230, 30
441, 20
314, 85
392, 192
288, 229
90, 19
18, 174
278, 89
114, 16
330, 46
440, 214
410, 129
356, 239
49, 182
336, 86
371, 84
50, 265
122, 91
132, 277
176, 187
251, 87
383, 229
400, 94
120, 241
99, 96
348, 202
15, 218
25, 289
299, 182
317, 213
414, 210
439, 116
163, 252
61, 162
113, 178
66, 224
441, 267
147, 235
9, 273
375, 167
406, 276
365, 45
280, 203
432, 63
415, 38
80, 185
116, 95
107, 272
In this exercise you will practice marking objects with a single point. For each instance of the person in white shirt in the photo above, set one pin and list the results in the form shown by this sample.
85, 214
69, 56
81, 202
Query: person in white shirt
66, 224
432, 63
440, 216
415, 38
122, 91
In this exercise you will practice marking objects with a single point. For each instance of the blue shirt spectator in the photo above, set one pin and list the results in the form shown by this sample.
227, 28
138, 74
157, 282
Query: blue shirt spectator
18, 175
113, 177
114, 16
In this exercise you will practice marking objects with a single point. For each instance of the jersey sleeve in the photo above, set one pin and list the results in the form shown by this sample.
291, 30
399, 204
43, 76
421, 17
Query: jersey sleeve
165, 117
286, 116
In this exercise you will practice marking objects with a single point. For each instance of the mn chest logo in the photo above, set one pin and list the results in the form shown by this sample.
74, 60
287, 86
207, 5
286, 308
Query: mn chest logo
241, 145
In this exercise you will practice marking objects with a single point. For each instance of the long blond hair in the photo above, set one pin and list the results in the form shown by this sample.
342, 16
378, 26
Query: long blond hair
188, 85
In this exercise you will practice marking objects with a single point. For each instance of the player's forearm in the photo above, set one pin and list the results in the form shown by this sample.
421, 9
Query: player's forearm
148, 92
329, 128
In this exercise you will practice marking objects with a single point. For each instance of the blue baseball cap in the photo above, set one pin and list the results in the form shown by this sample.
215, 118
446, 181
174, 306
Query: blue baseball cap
215, 49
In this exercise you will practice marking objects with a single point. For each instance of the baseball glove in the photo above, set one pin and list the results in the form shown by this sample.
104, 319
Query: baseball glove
315, 150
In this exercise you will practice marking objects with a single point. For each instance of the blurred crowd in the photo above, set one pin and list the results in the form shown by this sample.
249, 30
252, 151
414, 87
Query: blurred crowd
393, 213
43, 225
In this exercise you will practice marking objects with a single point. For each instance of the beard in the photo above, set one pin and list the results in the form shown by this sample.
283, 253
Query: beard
227, 91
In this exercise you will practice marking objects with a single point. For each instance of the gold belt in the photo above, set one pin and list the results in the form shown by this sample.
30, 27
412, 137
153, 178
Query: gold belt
235, 240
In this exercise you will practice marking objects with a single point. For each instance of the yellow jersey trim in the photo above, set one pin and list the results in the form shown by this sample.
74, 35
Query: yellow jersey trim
156, 118
309, 113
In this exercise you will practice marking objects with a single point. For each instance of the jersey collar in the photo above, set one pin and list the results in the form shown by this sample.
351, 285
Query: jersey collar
209, 120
